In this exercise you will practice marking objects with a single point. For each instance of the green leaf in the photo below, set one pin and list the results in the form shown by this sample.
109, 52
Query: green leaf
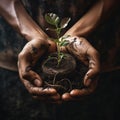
52, 19
64, 43
64, 37
61, 56
64, 22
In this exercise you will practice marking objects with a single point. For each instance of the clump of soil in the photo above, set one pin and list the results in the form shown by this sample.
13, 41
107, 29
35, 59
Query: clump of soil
51, 68
65, 77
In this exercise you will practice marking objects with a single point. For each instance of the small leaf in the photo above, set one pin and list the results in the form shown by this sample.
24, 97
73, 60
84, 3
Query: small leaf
52, 18
64, 43
64, 37
61, 56
64, 22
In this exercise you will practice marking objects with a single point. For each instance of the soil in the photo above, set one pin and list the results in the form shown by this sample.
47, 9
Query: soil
51, 67
64, 77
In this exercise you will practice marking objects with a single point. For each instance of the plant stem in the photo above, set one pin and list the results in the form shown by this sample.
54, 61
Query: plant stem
58, 45
58, 54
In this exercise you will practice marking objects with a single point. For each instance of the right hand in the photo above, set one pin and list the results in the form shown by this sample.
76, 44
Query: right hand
88, 55
31, 80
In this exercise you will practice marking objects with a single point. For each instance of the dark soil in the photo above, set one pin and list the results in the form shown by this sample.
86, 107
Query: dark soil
63, 79
51, 67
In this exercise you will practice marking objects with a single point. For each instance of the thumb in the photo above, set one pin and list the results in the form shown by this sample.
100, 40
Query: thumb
27, 73
94, 66
90, 76
35, 78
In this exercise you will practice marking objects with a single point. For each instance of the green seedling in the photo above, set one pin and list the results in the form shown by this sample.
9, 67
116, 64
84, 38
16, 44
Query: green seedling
57, 26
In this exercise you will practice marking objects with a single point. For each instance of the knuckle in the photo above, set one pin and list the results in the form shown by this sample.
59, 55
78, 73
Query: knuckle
31, 90
96, 53
93, 51
24, 75
21, 55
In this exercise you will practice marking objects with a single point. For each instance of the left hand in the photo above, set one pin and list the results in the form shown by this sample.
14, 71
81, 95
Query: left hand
86, 53
32, 81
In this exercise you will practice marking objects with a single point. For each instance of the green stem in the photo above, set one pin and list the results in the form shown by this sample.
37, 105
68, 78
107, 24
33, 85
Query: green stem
58, 44
58, 54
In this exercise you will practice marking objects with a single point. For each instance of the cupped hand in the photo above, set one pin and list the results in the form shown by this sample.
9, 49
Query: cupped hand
87, 54
31, 52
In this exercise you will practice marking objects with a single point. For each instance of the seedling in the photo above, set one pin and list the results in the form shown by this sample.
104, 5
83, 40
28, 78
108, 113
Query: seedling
57, 26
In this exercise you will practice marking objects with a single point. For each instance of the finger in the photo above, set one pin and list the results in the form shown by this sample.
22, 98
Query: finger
67, 97
36, 90
39, 90
26, 72
54, 98
94, 66
85, 91
31, 76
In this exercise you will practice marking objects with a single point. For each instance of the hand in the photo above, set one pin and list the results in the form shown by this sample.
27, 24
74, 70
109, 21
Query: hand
84, 51
31, 80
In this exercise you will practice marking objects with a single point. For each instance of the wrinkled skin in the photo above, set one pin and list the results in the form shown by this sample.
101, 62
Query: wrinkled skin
32, 81
80, 47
